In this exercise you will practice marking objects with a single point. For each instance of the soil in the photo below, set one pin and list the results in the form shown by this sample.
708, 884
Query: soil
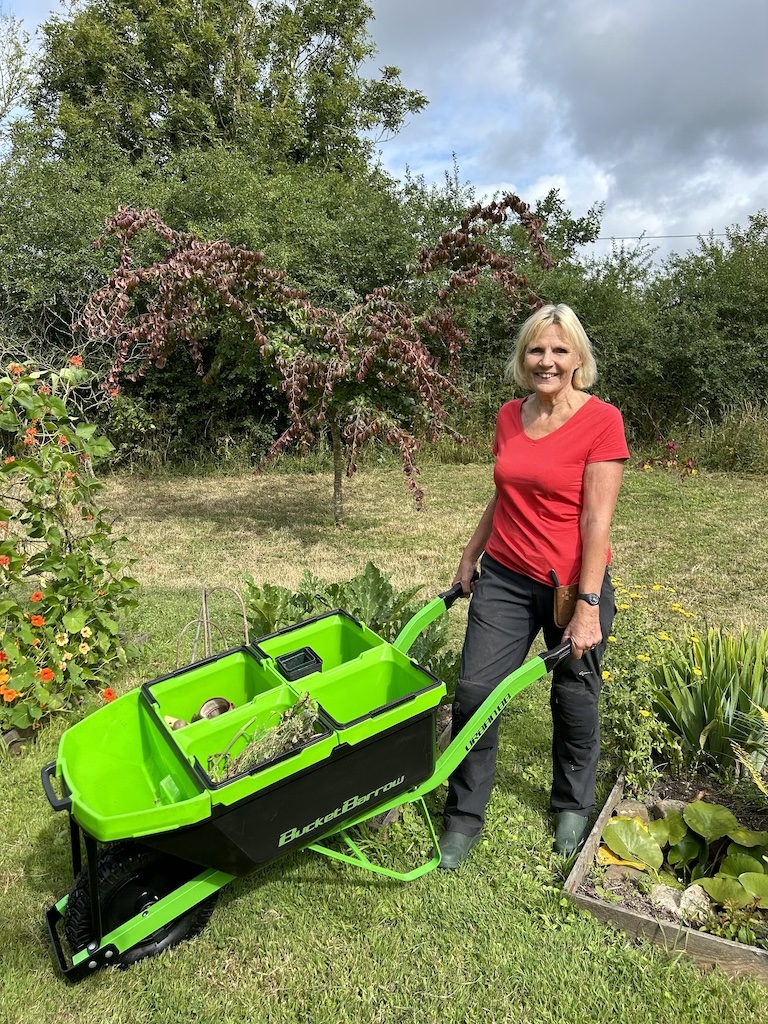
741, 803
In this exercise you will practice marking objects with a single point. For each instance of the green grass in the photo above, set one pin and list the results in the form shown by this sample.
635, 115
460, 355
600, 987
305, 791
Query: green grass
309, 940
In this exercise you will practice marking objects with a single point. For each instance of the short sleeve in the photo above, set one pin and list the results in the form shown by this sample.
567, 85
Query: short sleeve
610, 442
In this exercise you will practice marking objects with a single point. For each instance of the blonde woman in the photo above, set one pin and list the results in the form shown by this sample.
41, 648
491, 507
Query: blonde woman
560, 455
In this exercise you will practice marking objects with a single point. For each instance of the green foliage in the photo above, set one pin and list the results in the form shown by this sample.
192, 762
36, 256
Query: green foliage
369, 597
703, 845
707, 692
280, 80
633, 735
63, 585
380, 369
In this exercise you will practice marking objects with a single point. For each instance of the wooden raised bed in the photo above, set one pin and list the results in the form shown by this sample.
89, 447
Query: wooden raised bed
734, 958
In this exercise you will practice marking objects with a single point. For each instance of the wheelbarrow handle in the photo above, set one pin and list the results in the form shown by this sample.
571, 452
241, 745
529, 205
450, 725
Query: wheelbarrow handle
555, 655
58, 803
457, 590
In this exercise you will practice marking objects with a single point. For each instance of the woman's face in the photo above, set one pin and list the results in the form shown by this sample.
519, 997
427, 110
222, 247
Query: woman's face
550, 363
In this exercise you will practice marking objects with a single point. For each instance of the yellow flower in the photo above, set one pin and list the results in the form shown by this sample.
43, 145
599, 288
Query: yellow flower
697, 672
657, 586
84, 648
67, 655
607, 674
662, 635
694, 639
62, 639
644, 713
86, 632
612, 639
643, 657
623, 607
5, 675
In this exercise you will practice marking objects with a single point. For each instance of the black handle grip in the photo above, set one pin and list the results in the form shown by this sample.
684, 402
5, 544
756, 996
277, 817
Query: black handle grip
456, 591
555, 655
58, 803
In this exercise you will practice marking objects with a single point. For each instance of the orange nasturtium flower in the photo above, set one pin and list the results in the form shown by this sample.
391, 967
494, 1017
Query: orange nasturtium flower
3, 655
37, 620
5, 675
47, 674
5, 560
109, 694
37, 596
9, 695
76, 361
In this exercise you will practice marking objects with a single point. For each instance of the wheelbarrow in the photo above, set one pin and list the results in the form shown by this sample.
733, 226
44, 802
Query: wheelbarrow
162, 835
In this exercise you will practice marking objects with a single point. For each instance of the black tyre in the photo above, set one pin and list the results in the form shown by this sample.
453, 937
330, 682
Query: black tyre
131, 878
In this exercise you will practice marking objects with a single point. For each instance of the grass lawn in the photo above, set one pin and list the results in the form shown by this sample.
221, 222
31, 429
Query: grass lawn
313, 941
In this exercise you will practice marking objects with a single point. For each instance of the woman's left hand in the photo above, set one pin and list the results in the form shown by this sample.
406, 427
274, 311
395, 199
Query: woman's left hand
583, 630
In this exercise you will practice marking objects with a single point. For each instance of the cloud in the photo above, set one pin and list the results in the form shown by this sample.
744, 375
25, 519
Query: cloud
657, 107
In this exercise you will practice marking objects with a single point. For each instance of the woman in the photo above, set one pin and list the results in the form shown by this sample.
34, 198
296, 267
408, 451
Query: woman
560, 456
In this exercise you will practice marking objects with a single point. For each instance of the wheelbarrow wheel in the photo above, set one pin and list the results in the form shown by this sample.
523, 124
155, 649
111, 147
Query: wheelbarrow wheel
131, 878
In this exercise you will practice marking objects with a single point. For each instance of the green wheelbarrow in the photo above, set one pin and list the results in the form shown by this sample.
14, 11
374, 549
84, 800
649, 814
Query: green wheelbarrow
162, 836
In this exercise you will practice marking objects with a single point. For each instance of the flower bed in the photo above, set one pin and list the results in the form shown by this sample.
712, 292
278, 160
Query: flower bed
639, 919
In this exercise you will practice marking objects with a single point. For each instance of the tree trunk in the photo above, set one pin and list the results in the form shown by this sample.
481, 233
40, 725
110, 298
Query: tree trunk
338, 471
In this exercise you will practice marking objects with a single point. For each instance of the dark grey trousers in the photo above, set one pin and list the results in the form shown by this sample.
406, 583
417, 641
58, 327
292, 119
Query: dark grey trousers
506, 612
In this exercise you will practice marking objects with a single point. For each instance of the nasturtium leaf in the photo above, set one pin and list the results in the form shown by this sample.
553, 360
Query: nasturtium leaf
75, 620
745, 837
726, 890
736, 864
632, 841
713, 821
756, 884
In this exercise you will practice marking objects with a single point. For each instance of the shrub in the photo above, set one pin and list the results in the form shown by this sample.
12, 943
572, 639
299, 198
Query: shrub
634, 735
62, 584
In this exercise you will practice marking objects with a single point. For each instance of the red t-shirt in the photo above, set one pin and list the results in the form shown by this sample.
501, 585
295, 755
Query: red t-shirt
536, 525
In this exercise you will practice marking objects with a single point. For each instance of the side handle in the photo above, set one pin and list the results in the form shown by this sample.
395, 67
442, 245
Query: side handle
58, 803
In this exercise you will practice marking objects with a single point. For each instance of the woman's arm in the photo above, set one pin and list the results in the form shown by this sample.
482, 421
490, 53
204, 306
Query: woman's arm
475, 547
602, 481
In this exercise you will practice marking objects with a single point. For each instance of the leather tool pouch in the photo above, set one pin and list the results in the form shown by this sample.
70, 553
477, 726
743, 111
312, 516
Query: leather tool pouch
565, 601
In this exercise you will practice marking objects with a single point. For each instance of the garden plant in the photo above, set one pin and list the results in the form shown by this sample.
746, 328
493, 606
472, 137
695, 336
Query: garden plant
64, 589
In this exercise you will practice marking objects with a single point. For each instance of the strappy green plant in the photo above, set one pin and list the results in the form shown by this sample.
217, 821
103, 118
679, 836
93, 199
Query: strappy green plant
709, 692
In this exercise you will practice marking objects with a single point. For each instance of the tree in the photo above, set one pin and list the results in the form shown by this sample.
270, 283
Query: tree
15, 63
280, 80
378, 369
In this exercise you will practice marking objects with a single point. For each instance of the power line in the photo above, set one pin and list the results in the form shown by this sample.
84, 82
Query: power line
629, 238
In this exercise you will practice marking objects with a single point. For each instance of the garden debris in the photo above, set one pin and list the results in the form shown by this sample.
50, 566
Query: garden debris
297, 725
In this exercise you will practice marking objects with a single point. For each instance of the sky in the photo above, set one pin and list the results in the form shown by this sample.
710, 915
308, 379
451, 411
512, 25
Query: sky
656, 108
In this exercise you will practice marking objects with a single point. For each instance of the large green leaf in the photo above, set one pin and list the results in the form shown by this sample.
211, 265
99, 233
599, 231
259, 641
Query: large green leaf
630, 840
724, 890
688, 850
713, 821
670, 830
736, 864
756, 884
745, 837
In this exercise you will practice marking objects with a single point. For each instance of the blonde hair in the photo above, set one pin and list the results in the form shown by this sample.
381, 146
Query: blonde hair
561, 316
